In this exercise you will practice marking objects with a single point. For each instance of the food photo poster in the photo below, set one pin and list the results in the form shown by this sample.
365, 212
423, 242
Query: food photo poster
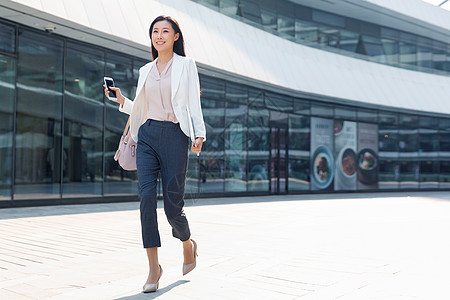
322, 161
368, 163
345, 155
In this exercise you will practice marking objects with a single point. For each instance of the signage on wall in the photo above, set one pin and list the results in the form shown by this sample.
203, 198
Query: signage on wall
344, 155
322, 160
367, 156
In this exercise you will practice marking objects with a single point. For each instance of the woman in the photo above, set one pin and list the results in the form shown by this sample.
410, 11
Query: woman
164, 114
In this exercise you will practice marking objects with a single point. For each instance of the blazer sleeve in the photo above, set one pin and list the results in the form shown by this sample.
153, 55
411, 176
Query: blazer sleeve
195, 107
127, 106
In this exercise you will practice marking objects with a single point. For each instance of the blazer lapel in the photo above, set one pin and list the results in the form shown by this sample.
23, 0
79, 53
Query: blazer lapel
144, 73
177, 68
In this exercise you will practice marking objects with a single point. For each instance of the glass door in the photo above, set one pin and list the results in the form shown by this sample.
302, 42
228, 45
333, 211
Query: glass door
278, 160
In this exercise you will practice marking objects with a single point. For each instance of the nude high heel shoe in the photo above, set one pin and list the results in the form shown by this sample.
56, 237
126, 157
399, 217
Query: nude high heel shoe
190, 267
152, 287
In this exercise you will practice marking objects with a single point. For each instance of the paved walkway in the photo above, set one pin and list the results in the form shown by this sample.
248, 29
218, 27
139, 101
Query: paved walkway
345, 246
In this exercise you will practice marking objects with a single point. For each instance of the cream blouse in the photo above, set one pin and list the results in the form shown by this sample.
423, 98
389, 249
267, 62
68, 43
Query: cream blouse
158, 94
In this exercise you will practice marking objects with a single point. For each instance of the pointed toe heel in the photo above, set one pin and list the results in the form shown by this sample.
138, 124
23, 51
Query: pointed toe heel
152, 287
189, 267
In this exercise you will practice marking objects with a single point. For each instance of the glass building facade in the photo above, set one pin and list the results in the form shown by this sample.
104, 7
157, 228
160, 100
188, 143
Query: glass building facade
345, 35
59, 133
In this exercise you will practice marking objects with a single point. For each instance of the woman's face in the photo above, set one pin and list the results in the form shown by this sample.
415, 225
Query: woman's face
163, 36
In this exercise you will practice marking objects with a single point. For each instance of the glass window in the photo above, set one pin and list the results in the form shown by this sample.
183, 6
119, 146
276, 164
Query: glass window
211, 162
269, 19
429, 158
299, 153
429, 174
388, 118
407, 53
424, 52
209, 2
439, 56
368, 116
428, 122
83, 121
323, 110
125, 75
255, 97
286, 26
306, 31
250, 10
229, 6
373, 47
444, 124
388, 146
258, 150
235, 148
301, 106
236, 93
348, 40
39, 110
212, 88
341, 112
7, 78
7, 38
444, 158
328, 36
409, 167
279, 102
326, 18
408, 120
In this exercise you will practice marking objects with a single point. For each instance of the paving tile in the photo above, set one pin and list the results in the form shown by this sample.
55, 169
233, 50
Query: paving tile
345, 246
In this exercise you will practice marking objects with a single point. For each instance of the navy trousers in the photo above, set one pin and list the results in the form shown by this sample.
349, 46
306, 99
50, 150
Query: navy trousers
162, 149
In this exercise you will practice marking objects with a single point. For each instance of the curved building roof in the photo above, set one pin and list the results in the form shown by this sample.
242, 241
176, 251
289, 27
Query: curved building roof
223, 43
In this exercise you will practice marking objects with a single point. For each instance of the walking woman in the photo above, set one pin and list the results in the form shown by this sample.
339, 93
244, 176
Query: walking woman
164, 114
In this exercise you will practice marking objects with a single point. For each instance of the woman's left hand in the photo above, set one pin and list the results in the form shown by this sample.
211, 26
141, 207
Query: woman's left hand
197, 145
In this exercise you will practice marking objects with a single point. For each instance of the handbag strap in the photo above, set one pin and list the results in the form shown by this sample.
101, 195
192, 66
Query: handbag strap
125, 130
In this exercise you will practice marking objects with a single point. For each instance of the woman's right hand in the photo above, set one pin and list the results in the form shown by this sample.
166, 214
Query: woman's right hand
120, 97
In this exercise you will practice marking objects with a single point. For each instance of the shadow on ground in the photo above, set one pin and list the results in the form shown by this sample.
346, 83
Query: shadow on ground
156, 294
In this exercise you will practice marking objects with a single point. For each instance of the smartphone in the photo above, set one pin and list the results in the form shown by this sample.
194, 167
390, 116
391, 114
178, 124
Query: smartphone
109, 82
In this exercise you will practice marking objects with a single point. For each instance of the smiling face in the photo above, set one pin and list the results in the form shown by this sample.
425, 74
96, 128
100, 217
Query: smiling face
163, 36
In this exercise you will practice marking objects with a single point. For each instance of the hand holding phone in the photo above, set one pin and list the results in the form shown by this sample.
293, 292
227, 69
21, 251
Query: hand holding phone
109, 82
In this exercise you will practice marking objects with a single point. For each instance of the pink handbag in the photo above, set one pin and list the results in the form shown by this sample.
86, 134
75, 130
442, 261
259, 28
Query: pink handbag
126, 152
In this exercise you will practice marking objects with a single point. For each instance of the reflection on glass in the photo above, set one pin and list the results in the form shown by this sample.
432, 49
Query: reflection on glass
348, 40
236, 93
38, 138
7, 72
250, 9
7, 38
229, 6
211, 162
299, 153
286, 26
409, 167
444, 158
269, 19
235, 148
258, 149
388, 140
429, 174
125, 74
306, 31
83, 122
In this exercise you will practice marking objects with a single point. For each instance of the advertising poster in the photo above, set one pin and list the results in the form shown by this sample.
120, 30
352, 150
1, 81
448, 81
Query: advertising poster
322, 160
367, 156
345, 155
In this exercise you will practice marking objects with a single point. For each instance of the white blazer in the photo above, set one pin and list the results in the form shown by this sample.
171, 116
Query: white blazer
185, 94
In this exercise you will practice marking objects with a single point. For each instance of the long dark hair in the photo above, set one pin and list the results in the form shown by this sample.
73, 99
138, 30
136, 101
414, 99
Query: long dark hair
178, 45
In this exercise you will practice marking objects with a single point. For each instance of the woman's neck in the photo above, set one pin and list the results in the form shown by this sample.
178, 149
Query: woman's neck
164, 57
